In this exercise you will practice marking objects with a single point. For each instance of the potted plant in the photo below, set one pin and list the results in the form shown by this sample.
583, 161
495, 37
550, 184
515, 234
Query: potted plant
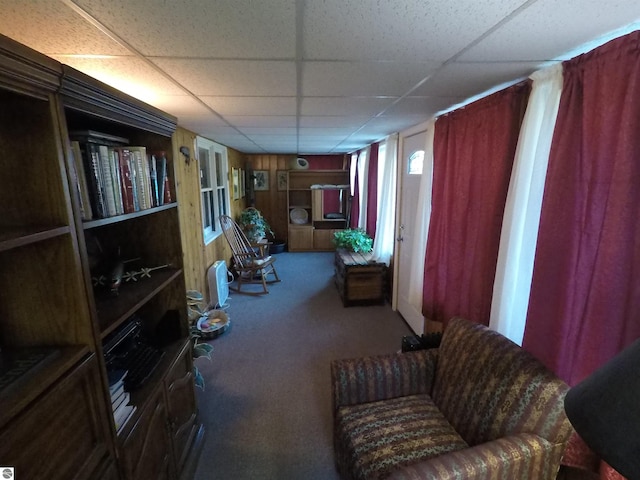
253, 224
354, 239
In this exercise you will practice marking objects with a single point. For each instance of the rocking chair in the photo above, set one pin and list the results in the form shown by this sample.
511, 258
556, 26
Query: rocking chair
250, 265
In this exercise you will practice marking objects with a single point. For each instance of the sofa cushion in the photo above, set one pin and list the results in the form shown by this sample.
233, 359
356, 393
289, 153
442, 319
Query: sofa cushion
375, 438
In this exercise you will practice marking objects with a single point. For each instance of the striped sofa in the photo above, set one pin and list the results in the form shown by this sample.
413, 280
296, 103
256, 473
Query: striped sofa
477, 407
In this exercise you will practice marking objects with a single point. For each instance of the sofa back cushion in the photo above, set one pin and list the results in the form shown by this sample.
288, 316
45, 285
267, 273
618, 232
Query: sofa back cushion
488, 387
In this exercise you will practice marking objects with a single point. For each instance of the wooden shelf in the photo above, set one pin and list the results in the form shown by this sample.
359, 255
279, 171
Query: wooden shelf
18, 394
17, 237
119, 218
114, 309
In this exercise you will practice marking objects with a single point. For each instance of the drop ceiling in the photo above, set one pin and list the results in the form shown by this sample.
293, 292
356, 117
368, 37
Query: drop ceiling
310, 76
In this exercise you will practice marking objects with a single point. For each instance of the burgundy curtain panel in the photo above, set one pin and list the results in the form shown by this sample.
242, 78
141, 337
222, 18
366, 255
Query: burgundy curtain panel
372, 191
585, 293
474, 148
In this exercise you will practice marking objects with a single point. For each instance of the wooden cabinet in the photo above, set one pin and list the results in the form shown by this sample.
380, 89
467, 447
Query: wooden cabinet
181, 407
146, 449
317, 206
64, 433
55, 416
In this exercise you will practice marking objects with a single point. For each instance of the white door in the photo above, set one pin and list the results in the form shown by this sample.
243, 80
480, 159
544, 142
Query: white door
410, 164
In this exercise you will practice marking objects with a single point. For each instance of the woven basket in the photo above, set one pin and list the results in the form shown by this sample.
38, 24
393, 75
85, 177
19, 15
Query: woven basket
213, 325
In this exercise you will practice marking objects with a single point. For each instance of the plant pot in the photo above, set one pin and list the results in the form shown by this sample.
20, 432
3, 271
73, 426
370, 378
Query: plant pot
278, 246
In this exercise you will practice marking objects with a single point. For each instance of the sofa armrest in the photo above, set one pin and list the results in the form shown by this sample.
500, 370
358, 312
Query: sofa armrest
369, 379
524, 455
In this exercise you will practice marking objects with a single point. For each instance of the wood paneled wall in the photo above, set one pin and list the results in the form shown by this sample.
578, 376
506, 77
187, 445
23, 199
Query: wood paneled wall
197, 256
273, 203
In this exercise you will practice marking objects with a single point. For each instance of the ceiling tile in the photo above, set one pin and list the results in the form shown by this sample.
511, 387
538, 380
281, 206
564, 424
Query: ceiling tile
333, 79
201, 28
252, 105
262, 121
333, 121
538, 35
179, 105
131, 75
469, 79
51, 27
421, 105
344, 106
411, 30
233, 77
255, 131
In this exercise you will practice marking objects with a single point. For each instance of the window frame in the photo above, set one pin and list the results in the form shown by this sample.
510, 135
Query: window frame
217, 189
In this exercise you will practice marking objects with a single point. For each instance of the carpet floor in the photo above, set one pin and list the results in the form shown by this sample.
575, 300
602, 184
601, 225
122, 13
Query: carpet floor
267, 402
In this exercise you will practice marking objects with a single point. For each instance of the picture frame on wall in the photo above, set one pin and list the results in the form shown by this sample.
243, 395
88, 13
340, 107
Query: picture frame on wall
283, 180
243, 190
235, 178
261, 180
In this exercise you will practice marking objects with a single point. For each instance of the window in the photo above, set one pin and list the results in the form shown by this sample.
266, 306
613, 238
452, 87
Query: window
415, 162
214, 186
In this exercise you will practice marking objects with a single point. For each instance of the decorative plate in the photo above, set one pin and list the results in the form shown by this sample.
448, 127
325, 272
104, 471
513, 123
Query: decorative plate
299, 216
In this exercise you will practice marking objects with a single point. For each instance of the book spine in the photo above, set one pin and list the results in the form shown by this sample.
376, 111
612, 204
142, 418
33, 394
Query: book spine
105, 166
126, 184
85, 196
162, 179
153, 173
117, 182
92, 167
141, 189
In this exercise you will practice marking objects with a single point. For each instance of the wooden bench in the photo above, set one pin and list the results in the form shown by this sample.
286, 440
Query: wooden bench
359, 279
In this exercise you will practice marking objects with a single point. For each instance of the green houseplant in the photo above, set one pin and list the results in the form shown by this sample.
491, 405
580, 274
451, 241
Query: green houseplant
354, 239
253, 224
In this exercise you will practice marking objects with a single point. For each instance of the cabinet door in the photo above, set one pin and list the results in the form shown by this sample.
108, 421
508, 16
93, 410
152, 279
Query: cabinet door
300, 238
64, 434
181, 406
323, 239
146, 451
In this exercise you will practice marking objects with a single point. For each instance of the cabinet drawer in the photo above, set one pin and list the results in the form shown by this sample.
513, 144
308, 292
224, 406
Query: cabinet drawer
64, 434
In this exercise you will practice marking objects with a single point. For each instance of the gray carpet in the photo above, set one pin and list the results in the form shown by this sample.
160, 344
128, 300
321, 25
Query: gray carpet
267, 403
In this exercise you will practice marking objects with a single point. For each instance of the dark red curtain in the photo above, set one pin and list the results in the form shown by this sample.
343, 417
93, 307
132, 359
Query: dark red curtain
372, 190
474, 149
585, 292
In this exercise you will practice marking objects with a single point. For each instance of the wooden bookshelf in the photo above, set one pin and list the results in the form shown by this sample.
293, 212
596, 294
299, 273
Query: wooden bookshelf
48, 258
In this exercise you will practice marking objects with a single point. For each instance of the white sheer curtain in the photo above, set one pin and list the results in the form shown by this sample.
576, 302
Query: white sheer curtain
522, 212
363, 172
385, 229
421, 230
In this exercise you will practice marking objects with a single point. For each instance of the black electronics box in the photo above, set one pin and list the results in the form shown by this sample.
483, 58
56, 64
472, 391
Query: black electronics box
411, 343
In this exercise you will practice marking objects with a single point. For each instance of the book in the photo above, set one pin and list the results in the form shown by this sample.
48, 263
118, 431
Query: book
153, 175
122, 414
107, 180
162, 175
126, 180
85, 198
93, 136
92, 171
140, 166
117, 181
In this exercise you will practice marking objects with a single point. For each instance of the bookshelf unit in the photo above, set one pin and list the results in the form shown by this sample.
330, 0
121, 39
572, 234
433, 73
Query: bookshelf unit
52, 314
308, 204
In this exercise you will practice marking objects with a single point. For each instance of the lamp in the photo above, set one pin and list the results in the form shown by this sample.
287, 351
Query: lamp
604, 409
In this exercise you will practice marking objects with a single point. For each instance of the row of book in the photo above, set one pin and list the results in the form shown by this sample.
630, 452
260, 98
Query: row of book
113, 178
122, 410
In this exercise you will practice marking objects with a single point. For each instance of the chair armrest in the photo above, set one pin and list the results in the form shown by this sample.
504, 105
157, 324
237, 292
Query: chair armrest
369, 379
524, 455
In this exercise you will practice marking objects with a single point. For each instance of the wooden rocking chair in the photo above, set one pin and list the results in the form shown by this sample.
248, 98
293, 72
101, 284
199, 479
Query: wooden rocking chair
251, 266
